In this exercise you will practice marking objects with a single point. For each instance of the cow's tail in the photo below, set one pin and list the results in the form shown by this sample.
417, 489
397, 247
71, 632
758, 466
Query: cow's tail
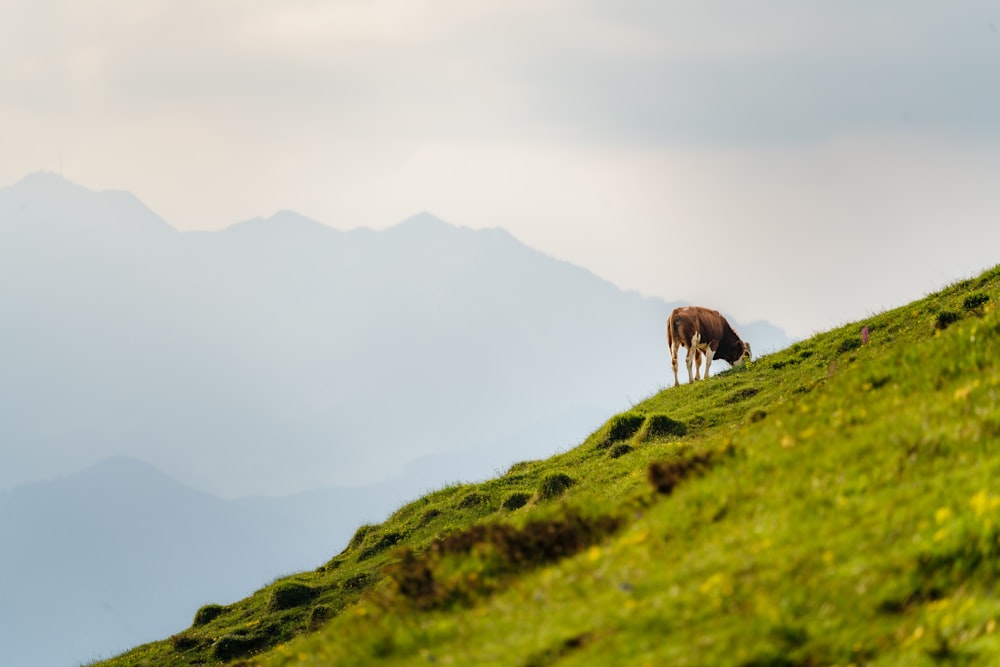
670, 333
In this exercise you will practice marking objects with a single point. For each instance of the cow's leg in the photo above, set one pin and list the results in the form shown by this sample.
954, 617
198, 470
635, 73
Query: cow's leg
692, 356
674, 348
709, 353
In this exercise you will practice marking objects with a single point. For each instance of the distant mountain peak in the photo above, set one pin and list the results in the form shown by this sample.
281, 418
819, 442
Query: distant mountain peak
116, 471
47, 197
424, 222
282, 221
46, 178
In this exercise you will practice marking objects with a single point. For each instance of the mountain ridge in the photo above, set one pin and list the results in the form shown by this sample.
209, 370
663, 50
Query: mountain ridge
278, 317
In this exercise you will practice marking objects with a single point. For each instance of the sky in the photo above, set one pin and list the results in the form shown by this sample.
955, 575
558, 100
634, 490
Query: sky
804, 163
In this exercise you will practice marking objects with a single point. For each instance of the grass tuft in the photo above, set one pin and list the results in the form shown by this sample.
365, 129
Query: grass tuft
358, 582
186, 642
945, 319
848, 345
207, 614
428, 516
230, 647
360, 534
621, 427
661, 426
319, 615
288, 594
555, 485
381, 544
975, 302
620, 449
515, 501
474, 499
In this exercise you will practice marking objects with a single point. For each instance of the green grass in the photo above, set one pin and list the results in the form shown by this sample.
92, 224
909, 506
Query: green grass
835, 503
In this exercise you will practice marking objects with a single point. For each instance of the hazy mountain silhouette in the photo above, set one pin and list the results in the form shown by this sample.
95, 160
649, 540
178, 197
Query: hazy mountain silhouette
276, 356
281, 354
121, 554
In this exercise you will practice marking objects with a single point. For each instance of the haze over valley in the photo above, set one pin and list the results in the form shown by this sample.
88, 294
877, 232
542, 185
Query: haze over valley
274, 384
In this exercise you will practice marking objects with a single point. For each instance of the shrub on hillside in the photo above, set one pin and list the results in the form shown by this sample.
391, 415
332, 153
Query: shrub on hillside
945, 319
623, 427
620, 427
383, 543
290, 594
848, 344
555, 485
186, 642
428, 516
470, 500
238, 645
621, 449
522, 467
319, 615
358, 582
207, 614
974, 302
661, 426
360, 534
516, 501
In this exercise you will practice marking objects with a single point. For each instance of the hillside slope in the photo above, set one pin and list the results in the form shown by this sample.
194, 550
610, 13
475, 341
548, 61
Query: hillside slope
834, 503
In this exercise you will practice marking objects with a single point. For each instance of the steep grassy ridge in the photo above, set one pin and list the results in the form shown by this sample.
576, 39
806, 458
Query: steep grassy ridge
835, 503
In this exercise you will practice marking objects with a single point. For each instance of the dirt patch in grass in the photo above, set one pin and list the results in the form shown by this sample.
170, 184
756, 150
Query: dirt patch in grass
503, 549
664, 476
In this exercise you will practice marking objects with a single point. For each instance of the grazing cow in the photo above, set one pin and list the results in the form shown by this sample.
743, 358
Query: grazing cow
704, 332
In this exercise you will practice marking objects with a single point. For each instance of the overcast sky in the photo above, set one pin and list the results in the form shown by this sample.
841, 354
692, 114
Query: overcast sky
802, 162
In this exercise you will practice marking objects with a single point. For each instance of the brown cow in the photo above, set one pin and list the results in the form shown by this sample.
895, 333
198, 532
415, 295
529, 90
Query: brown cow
703, 332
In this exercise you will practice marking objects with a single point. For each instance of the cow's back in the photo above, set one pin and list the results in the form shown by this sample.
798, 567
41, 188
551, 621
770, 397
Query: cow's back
685, 321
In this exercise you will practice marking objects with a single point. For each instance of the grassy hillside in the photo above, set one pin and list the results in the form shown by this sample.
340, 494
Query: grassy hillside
836, 503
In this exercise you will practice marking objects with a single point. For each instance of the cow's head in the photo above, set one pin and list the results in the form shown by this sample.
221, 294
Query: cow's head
745, 356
